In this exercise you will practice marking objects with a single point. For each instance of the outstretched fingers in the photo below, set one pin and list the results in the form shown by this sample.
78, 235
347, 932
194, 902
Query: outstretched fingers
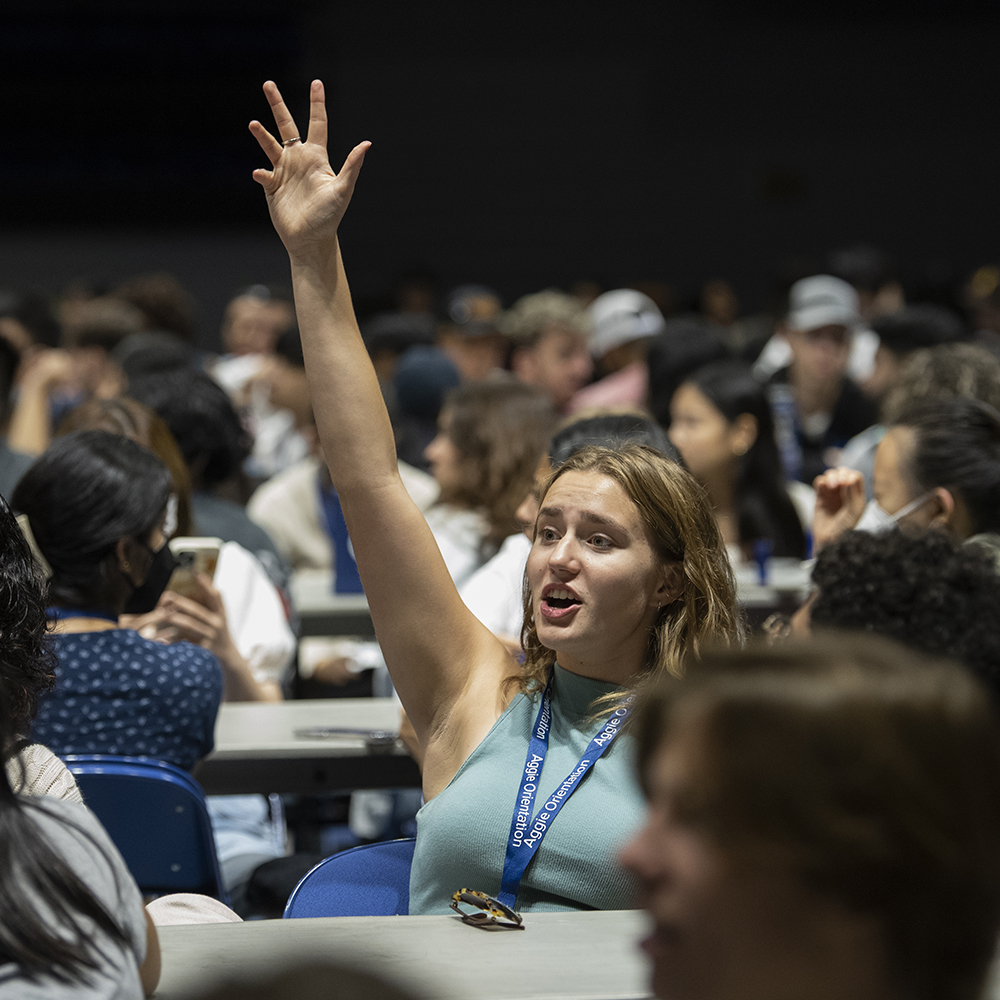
282, 116
317, 114
270, 145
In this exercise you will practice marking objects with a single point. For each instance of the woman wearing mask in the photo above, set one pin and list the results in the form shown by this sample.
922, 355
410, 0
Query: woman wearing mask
97, 506
937, 467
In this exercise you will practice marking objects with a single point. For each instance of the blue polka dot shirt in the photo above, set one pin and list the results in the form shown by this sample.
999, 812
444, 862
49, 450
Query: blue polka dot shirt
118, 693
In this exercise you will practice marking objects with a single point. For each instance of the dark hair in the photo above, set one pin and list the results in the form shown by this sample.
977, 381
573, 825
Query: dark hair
83, 494
131, 419
500, 426
610, 430
764, 509
9, 360
201, 418
163, 301
684, 346
869, 772
916, 327
27, 664
921, 590
957, 446
44, 906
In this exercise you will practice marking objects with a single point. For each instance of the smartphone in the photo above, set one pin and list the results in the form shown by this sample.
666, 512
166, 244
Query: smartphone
194, 556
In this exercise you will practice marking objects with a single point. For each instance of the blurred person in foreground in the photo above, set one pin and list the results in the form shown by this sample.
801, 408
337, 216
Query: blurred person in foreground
824, 822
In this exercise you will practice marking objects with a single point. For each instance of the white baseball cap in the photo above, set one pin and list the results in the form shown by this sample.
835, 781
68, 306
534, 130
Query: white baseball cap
620, 316
822, 300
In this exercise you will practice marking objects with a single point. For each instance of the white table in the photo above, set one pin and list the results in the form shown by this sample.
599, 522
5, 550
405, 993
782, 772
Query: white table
583, 956
257, 749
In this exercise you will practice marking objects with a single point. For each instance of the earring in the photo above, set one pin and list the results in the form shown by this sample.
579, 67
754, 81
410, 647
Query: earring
125, 565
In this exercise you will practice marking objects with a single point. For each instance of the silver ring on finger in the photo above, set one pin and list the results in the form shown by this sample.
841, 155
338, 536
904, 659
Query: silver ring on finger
291, 142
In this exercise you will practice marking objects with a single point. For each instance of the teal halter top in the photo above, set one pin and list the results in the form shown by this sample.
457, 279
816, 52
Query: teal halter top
462, 832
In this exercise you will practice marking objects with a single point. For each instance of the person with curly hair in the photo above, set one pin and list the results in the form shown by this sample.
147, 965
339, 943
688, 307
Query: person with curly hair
922, 590
27, 667
627, 572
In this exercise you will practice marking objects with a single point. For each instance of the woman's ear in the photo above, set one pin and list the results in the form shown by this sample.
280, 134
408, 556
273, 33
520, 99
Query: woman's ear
672, 584
743, 433
944, 501
126, 556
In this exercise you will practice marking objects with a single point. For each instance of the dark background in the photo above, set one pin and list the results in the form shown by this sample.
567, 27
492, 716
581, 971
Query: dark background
524, 145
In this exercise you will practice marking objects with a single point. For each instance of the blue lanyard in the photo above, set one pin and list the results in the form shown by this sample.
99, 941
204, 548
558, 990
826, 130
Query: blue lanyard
56, 613
526, 833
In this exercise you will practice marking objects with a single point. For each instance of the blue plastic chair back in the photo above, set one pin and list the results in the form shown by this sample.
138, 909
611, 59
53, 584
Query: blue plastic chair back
156, 815
368, 881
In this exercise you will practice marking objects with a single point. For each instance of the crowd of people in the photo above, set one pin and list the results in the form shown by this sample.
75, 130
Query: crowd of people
549, 508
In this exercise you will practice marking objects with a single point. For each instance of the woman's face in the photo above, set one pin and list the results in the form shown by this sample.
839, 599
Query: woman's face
443, 455
722, 930
596, 582
707, 441
892, 480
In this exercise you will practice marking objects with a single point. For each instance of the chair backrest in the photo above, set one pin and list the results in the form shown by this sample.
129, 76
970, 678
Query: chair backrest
368, 881
156, 815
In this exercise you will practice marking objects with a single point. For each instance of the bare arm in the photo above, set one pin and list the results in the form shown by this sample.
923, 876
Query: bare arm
446, 666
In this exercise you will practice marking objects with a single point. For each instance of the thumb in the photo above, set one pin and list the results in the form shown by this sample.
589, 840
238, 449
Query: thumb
352, 165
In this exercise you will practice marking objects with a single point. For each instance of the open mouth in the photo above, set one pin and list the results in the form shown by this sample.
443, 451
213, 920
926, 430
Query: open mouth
557, 603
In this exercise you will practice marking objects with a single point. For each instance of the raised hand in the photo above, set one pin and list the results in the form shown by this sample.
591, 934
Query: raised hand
840, 502
305, 197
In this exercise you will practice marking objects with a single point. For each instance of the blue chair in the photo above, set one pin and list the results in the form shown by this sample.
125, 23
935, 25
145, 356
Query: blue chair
156, 815
372, 880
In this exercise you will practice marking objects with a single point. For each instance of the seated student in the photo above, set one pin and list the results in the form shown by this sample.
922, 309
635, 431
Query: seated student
72, 923
490, 437
901, 375
495, 592
824, 822
214, 444
623, 322
549, 333
919, 589
721, 424
627, 572
240, 615
816, 405
96, 505
937, 467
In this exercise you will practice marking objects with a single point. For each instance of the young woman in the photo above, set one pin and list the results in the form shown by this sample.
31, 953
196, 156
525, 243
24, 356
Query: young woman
824, 822
720, 422
938, 467
490, 437
96, 504
626, 572
72, 921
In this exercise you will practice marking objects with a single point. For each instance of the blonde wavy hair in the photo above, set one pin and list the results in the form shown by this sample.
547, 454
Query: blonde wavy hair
676, 511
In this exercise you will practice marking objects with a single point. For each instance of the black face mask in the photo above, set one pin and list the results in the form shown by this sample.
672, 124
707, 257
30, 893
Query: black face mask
145, 596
